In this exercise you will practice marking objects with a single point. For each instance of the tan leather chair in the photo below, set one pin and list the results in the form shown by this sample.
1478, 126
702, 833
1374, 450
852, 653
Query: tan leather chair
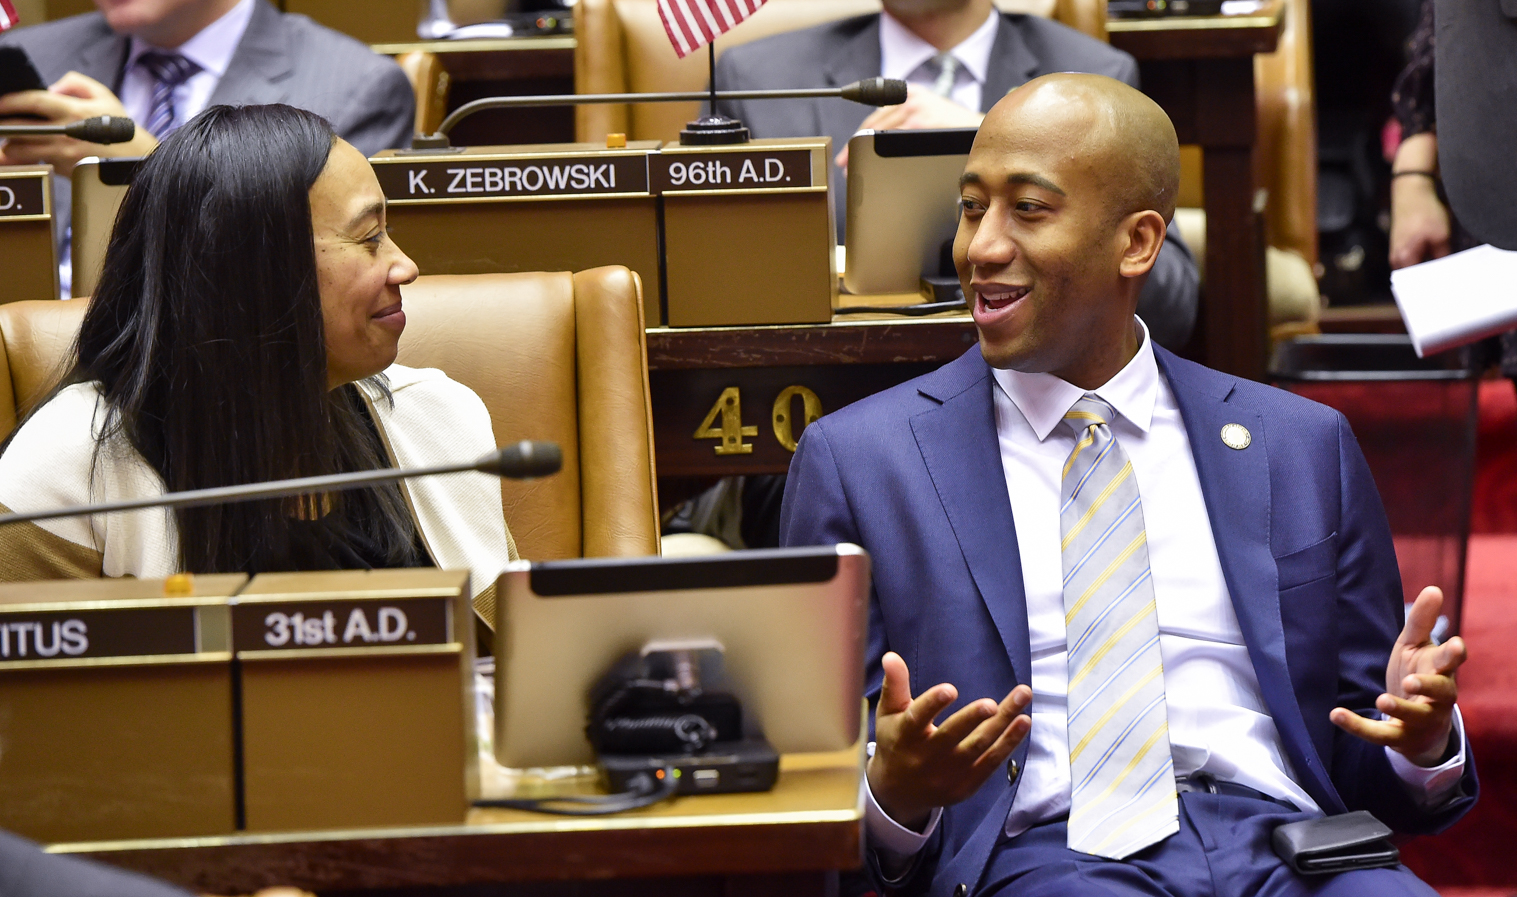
555, 356
430, 82
622, 47
1286, 167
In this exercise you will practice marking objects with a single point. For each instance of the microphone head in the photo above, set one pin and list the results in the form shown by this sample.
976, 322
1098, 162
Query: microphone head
876, 92
524, 460
103, 129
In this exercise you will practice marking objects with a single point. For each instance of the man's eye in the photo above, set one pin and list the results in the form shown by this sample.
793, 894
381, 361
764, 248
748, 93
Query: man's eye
1028, 206
970, 206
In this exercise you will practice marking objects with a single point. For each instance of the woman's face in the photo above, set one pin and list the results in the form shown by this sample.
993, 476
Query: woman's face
359, 268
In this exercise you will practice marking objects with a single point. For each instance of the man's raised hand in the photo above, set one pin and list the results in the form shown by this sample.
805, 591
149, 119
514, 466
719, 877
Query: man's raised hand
918, 765
1420, 689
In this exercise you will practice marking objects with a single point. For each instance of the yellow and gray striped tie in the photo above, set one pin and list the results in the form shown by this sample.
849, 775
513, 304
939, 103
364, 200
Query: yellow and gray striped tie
1122, 778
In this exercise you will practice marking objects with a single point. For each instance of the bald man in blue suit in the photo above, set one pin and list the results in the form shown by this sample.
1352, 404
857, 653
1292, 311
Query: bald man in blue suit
1294, 689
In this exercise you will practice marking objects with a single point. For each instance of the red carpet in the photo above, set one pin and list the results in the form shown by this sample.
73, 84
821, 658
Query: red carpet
1478, 857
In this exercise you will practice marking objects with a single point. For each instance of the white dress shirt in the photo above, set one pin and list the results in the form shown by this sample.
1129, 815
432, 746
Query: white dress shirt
1218, 722
905, 56
211, 49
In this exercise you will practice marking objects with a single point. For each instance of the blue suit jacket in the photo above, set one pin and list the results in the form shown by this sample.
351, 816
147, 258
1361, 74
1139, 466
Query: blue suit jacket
914, 475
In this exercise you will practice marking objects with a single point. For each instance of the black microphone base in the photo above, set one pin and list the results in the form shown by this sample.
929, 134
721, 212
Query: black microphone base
714, 130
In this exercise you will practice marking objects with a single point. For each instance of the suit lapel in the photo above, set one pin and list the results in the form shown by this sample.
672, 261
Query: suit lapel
1236, 488
261, 67
960, 448
1012, 64
857, 57
104, 58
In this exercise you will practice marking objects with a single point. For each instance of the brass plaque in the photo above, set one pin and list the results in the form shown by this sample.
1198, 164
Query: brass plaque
341, 624
476, 177
73, 634
24, 195
747, 169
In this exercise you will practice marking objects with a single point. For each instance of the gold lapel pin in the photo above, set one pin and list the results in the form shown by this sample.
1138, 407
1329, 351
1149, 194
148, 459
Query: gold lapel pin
1236, 436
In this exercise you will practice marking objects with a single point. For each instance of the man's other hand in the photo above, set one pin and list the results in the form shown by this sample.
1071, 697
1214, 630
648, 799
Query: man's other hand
1420, 690
923, 109
918, 766
72, 98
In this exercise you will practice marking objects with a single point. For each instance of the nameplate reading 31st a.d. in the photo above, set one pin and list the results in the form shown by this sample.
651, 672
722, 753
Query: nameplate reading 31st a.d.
467, 177
296, 625
23, 195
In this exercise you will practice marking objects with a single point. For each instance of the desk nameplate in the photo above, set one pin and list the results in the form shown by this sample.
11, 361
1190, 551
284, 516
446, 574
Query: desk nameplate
479, 177
25, 194
356, 625
739, 168
38, 636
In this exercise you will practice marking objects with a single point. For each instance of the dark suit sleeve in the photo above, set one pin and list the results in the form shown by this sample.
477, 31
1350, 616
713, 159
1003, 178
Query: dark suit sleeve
1369, 621
817, 511
26, 871
1172, 294
384, 114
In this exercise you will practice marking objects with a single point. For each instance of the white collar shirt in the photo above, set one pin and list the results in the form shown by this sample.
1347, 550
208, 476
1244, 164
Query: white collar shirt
905, 56
211, 49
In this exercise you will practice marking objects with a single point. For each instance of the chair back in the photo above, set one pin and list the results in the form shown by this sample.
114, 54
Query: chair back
622, 47
554, 356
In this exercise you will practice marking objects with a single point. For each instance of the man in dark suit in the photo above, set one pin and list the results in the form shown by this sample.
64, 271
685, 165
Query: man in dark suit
990, 53
1161, 602
162, 61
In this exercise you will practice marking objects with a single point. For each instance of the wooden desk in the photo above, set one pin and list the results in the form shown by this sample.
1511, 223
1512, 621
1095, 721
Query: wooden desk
791, 841
1201, 70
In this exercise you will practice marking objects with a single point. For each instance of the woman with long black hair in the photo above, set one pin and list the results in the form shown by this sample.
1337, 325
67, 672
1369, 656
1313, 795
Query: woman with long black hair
245, 329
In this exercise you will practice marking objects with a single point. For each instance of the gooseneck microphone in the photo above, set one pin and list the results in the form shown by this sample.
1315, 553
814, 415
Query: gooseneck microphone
522, 461
869, 92
101, 129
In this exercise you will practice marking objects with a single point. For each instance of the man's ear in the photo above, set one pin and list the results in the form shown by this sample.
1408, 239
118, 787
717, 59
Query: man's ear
1145, 237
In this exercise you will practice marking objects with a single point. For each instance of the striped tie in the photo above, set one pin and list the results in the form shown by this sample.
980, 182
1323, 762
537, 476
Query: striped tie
169, 71
947, 68
1122, 778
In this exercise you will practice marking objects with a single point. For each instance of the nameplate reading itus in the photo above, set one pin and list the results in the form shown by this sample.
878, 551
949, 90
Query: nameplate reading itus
745, 169
71, 635
24, 195
325, 625
472, 178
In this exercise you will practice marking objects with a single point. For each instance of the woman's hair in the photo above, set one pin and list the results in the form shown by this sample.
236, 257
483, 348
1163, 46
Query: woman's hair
205, 337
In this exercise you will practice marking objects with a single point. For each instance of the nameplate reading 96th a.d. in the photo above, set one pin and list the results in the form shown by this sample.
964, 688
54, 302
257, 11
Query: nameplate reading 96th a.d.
470, 177
23, 195
71, 635
748, 169
324, 625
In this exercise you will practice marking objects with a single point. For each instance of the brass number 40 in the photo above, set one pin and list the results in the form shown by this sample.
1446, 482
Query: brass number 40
729, 405
784, 430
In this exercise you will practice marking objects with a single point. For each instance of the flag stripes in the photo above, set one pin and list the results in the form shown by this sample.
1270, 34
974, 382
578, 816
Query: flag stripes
692, 24
8, 17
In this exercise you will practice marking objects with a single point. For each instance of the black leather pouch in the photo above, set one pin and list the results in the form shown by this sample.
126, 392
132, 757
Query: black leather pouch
1336, 844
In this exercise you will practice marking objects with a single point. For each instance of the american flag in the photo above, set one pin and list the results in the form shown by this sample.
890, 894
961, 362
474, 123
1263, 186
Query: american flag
7, 15
693, 24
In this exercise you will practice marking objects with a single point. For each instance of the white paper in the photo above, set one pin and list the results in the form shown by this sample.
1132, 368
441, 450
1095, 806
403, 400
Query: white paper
1457, 299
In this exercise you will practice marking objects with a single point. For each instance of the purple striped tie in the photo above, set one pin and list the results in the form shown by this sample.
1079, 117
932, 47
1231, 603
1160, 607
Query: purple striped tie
169, 71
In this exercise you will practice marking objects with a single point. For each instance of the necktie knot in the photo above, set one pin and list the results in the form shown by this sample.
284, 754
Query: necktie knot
168, 69
1088, 412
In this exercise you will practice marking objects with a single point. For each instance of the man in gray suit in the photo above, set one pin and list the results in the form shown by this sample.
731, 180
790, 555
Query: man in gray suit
160, 62
959, 57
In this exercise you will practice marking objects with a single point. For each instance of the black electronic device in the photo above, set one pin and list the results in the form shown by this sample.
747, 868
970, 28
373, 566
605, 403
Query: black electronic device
17, 74
669, 708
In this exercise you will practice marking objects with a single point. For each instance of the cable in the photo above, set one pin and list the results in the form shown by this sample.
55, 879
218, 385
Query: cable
649, 789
